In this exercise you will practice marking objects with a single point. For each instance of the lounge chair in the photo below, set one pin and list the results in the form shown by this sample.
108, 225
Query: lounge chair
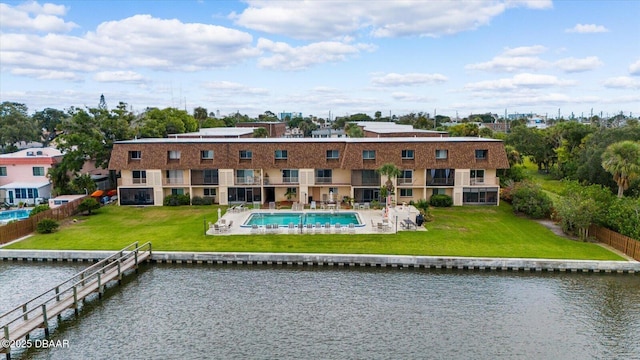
337, 228
313, 205
352, 228
291, 228
216, 229
309, 228
327, 228
318, 228
367, 206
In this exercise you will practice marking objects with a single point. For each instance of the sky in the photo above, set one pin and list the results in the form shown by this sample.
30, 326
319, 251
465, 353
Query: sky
325, 58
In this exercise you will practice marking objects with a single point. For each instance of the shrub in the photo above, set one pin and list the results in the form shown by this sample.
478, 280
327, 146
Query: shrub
177, 200
39, 209
197, 200
88, 205
47, 226
441, 200
422, 205
528, 198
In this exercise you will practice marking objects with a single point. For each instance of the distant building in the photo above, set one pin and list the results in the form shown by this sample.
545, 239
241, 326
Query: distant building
328, 133
284, 116
390, 129
23, 175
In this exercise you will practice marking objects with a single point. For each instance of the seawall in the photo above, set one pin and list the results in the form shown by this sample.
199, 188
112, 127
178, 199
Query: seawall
343, 260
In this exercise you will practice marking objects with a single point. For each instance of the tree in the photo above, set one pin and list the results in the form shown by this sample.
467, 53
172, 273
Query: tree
16, 126
48, 120
391, 171
88, 205
268, 116
260, 133
200, 115
353, 130
83, 184
622, 160
161, 123
466, 129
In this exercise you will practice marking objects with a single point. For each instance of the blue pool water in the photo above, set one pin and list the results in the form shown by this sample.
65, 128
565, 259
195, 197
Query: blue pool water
14, 214
285, 218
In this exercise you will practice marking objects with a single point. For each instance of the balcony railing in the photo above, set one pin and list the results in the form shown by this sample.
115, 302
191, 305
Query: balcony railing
248, 180
173, 181
282, 181
405, 181
137, 181
477, 181
437, 181
324, 180
198, 178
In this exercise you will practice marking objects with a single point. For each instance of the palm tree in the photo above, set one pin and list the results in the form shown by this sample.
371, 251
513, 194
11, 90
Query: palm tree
622, 160
391, 172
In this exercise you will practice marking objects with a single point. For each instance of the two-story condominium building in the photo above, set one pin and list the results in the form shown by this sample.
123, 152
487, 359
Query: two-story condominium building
23, 175
308, 169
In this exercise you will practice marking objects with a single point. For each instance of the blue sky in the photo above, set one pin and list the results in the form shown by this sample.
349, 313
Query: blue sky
325, 57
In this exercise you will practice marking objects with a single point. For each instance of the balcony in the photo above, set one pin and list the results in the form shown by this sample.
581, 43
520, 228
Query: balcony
201, 178
286, 180
248, 180
324, 180
365, 178
405, 181
173, 181
440, 181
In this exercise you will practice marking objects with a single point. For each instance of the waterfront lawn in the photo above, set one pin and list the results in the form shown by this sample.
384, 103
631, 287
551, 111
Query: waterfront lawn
458, 231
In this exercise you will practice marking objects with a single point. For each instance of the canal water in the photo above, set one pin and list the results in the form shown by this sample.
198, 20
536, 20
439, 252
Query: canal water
255, 312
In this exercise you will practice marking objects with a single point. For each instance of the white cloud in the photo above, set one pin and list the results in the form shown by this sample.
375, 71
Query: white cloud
139, 41
229, 88
47, 74
119, 76
331, 19
524, 51
514, 59
572, 65
35, 17
409, 97
519, 81
286, 57
634, 68
587, 29
409, 79
622, 82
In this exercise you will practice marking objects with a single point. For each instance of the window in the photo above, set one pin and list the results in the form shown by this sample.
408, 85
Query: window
174, 155
38, 171
292, 191
281, 154
210, 176
406, 192
323, 176
333, 154
174, 177
3, 171
210, 192
368, 154
26, 193
177, 191
406, 177
135, 155
290, 176
245, 154
482, 154
407, 154
439, 191
139, 176
481, 196
333, 190
206, 154
477, 177
442, 154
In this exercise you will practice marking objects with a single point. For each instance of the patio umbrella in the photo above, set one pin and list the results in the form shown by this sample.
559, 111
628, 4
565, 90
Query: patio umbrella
97, 193
112, 192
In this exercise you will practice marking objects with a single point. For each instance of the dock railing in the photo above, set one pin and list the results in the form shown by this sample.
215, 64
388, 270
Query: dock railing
20, 321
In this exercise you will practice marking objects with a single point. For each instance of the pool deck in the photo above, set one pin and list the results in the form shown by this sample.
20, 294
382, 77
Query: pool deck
370, 219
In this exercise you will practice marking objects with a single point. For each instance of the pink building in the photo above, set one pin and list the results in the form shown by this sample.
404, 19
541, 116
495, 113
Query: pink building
23, 175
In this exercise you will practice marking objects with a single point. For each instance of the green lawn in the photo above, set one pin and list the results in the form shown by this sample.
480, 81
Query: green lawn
459, 231
552, 186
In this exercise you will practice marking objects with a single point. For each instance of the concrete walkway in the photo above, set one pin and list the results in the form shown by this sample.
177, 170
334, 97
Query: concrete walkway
370, 219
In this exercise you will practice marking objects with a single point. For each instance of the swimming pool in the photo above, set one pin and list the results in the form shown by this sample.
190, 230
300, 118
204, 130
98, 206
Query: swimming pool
9, 215
283, 219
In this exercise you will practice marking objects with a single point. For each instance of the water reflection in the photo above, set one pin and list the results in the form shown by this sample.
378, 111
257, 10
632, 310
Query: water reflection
299, 312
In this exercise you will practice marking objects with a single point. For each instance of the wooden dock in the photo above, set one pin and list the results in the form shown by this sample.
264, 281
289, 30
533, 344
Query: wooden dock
18, 323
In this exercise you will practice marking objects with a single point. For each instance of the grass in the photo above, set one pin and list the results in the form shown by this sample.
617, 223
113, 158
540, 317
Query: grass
458, 231
552, 186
